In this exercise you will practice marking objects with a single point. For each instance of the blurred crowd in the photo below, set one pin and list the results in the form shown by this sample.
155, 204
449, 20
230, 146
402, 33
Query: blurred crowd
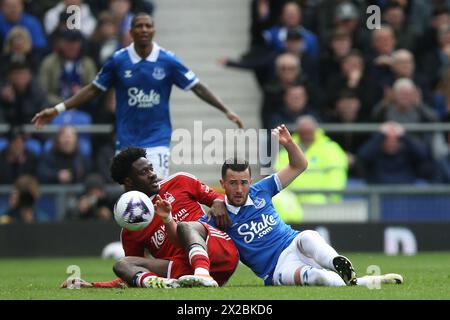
335, 61
315, 61
43, 62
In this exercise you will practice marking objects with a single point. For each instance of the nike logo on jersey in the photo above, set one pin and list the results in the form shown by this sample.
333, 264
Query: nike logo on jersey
257, 229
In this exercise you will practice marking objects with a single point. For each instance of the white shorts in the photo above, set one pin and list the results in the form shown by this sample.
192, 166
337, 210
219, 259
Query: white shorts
289, 261
160, 159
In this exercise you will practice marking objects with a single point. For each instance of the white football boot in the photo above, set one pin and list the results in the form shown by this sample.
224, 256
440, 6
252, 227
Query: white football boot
192, 281
159, 282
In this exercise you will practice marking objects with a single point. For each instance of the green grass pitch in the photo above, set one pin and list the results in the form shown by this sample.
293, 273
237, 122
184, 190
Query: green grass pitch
427, 276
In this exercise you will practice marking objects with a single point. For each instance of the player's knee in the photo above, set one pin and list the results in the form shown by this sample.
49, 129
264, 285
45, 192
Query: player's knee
121, 266
308, 234
183, 229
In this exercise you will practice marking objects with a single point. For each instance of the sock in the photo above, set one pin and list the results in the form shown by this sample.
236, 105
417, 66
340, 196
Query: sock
369, 281
320, 277
138, 279
312, 245
199, 260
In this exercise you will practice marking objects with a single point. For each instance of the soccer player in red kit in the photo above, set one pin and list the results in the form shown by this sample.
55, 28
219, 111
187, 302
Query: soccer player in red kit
202, 254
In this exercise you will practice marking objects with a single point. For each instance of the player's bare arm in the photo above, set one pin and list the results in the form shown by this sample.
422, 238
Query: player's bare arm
206, 95
219, 212
86, 94
297, 160
164, 210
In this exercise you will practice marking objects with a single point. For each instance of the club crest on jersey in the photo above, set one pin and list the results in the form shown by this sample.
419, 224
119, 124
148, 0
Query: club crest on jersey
159, 73
169, 197
127, 74
259, 202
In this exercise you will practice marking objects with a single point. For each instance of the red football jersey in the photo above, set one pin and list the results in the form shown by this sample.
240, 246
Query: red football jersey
186, 194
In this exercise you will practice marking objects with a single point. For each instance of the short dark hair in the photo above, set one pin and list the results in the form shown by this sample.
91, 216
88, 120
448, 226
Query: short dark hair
122, 163
235, 164
138, 15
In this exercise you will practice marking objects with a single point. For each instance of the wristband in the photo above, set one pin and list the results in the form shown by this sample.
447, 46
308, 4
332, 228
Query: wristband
60, 107
168, 218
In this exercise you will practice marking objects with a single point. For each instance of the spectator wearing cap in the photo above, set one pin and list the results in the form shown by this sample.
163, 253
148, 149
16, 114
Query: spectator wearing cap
291, 17
94, 203
65, 71
21, 96
16, 159
12, 14
52, 17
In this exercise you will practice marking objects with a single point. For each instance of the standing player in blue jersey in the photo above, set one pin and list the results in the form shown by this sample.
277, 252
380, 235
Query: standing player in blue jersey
271, 248
142, 74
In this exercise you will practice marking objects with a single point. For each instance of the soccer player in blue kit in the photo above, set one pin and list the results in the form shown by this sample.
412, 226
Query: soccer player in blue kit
142, 74
271, 248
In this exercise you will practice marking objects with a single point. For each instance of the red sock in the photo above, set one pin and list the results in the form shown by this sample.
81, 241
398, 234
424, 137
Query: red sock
199, 260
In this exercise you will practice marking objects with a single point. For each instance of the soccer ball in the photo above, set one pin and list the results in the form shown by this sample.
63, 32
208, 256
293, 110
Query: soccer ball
134, 211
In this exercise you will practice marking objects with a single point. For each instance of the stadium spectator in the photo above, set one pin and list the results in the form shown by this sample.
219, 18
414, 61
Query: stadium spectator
64, 163
105, 39
403, 66
65, 72
88, 21
16, 159
354, 77
348, 111
345, 16
393, 157
327, 163
339, 46
394, 16
291, 17
263, 63
405, 106
295, 104
21, 96
379, 58
94, 203
17, 49
12, 14
143, 75
437, 61
121, 10
287, 73
429, 42
22, 202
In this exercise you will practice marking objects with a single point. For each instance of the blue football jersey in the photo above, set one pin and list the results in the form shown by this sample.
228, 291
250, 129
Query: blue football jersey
257, 230
143, 89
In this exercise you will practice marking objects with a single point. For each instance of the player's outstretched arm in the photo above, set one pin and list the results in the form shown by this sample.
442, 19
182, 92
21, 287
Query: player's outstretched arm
297, 160
86, 94
206, 95
164, 210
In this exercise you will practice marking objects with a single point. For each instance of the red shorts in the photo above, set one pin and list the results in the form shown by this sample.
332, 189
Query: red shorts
223, 257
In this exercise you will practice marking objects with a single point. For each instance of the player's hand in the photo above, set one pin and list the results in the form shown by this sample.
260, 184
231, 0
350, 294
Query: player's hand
283, 135
75, 283
219, 212
44, 117
235, 118
163, 208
